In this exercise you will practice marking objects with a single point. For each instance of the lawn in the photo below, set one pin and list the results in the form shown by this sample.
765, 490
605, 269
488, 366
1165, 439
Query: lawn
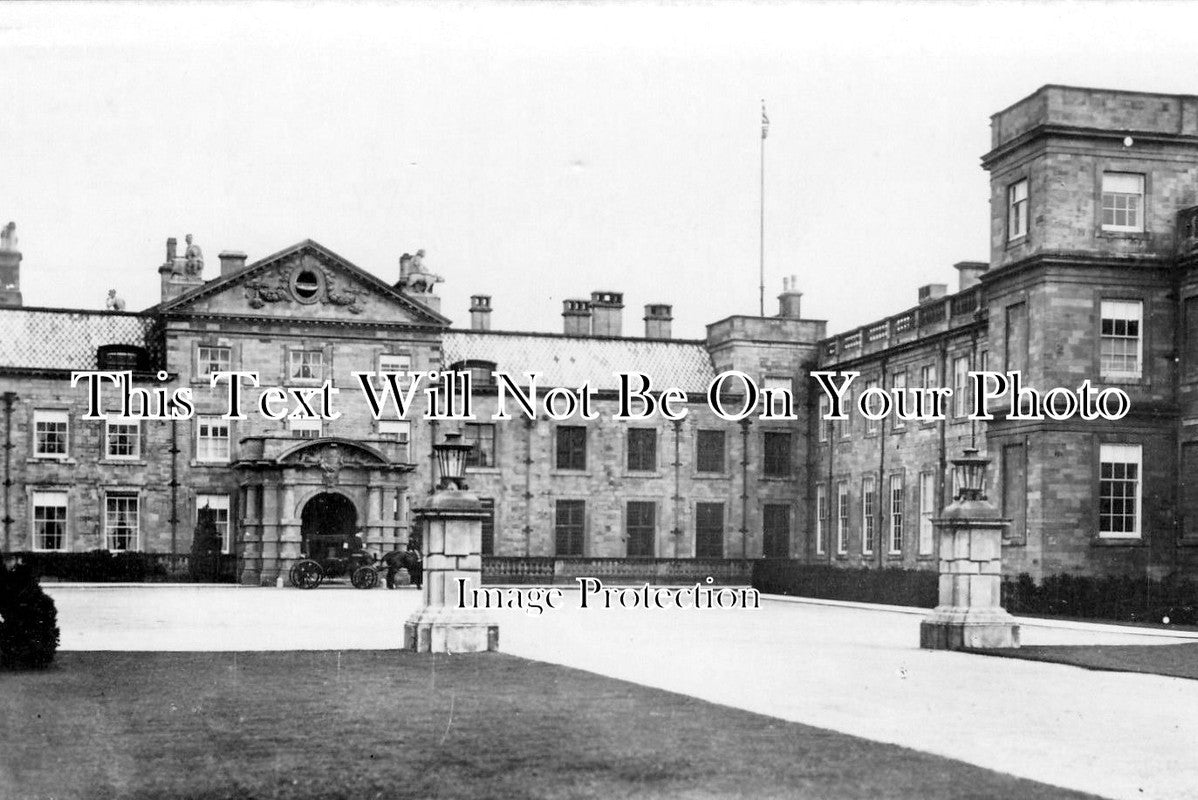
371, 724
1176, 660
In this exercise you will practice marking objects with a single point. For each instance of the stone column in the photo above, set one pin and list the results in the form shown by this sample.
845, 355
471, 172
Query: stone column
451, 523
970, 615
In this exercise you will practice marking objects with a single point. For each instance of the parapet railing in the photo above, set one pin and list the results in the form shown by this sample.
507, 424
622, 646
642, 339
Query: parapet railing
548, 570
931, 316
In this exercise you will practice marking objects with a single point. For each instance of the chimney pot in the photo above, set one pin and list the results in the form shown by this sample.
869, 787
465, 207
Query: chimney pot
231, 261
969, 273
480, 312
933, 291
576, 317
607, 313
172, 246
789, 302
658, 317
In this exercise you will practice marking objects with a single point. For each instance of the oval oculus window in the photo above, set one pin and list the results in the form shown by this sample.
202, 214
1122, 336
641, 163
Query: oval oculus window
306, 285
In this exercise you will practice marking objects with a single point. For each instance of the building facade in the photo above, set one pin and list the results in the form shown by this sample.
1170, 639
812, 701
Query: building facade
1092, 275
700, 488
1089, 278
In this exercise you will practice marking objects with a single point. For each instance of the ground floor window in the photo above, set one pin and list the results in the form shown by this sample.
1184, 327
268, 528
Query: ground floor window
821, 519
927, 510
219, 504
775, 527
488, 542
641, 528
896, 513
842, 517
50, 520
121, 512
569, 527
709, 530
868, 518
1119, 491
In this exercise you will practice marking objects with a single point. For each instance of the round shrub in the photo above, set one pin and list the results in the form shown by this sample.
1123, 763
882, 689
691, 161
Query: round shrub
28, 621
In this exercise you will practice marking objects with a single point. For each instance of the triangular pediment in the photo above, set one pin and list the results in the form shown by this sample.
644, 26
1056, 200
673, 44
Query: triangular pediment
306, 281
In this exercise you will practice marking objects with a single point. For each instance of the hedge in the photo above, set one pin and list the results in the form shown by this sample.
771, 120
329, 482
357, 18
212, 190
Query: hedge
103, 566
890, 586
1121, 598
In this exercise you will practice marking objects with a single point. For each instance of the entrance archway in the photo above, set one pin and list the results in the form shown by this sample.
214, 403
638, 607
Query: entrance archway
327, 526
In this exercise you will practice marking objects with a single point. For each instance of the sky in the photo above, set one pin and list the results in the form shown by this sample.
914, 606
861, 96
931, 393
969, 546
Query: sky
541, 151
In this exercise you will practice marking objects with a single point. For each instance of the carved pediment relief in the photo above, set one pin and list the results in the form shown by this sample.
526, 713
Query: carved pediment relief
333, 457
304, 278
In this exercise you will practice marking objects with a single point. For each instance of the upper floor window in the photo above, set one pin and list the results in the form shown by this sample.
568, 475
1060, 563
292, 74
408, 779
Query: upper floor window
306, 365
213, 359
303, 428
776, 461
710, 455
822, 421
571, 447
395, 362
482, 373
1017, 205
481, 437
212, 439
1122, 201
642, 450
122, 438
874, 405
1119, 491
1121, 344
898, 382
960, 386
399, 430
49, 434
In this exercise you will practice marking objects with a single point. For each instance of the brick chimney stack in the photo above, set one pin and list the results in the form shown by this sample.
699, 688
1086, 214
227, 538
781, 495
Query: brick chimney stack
480, 312
576, 317
607, 313
10, 267
789, 300
658, 317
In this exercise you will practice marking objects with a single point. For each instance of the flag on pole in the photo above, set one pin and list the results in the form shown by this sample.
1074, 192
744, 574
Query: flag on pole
765, 122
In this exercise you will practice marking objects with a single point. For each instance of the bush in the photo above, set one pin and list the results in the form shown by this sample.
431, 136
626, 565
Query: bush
28, 621
204, 564
889, 586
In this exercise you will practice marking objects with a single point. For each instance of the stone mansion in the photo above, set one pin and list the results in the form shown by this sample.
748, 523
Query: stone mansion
1093, 273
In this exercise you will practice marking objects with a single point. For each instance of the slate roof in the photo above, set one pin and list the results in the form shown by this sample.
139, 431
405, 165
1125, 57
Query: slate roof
571, 361
51, 338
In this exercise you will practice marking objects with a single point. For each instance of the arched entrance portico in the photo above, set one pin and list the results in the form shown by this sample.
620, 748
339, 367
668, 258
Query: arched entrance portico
307, 497
328, 524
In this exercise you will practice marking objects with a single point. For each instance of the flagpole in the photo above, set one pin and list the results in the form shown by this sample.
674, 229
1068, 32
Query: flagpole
761, 264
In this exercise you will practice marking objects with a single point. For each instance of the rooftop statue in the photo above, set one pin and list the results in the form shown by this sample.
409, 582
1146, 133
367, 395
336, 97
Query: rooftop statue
413, 277
8, 237
114, 302
193, 258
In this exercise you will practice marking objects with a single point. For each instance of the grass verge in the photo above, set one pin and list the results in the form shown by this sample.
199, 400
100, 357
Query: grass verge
370, 724
1174, 660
